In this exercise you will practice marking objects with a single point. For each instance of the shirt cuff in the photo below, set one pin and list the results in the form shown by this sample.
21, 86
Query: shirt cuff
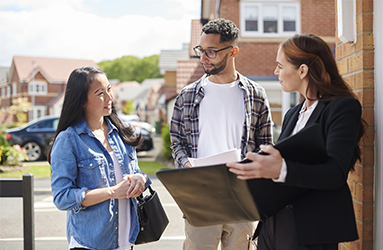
283, 173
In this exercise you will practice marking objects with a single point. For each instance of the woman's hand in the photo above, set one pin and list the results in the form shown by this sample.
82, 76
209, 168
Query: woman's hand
137, 185
261, 166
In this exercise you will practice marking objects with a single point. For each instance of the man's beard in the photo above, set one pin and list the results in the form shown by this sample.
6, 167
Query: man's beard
217, 68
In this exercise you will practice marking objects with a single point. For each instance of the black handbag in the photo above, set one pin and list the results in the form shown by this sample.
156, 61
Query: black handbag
152, 218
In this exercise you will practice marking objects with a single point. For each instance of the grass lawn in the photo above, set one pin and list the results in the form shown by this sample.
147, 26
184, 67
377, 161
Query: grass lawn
44, 171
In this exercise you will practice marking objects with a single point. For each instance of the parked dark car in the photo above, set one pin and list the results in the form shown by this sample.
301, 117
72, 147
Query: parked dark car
34, 136
147, 143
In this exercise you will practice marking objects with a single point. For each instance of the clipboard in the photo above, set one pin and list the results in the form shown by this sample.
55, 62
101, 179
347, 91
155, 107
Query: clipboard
213, 195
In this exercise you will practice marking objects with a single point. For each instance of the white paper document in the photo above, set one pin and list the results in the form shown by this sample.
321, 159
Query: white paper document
221, 158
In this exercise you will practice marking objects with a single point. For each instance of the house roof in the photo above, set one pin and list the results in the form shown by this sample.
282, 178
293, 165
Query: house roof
127, 90
147, 83
133, 90
168, 58
56, 99
55, 70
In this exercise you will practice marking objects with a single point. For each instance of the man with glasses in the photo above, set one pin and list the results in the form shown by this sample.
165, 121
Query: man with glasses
221, 111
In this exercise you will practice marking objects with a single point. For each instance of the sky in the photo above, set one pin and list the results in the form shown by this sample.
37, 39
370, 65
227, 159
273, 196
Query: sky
93, 29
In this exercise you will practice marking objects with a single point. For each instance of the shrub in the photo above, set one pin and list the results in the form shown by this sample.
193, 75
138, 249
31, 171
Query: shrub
166, 150
11, 155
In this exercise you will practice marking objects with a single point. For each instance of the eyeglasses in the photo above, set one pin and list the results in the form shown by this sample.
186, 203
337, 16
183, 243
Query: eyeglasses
210, 53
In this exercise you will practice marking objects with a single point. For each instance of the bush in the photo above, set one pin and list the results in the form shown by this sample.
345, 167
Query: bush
11, 155
166, 150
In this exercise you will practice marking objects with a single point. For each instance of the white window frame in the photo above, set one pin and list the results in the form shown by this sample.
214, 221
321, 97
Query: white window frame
260, 4
8, 91
34, 111
14, 89
42, 86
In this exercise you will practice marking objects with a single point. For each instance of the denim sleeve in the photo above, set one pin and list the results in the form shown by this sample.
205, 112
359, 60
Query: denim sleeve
66, 195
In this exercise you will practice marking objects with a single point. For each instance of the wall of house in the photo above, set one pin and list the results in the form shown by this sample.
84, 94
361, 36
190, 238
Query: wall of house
257, 55
378, 79
356, 65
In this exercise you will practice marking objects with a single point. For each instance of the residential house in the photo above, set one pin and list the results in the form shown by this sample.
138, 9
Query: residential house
168, 67
124, 91
42, 80
144, 97
179, 69
150, 109
3, 74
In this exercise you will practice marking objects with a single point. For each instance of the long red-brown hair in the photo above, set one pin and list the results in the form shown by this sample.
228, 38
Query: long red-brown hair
324, 78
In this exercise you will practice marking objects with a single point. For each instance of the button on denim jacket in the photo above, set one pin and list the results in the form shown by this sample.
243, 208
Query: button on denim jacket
79, 163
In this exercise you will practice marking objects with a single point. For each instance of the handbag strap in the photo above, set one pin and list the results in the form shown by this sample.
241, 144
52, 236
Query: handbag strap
141, 196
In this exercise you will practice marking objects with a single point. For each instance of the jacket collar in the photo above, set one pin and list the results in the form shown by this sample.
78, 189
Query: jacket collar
294, 118
81, 127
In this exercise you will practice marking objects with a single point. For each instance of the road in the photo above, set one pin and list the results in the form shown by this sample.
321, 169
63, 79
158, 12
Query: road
50, 223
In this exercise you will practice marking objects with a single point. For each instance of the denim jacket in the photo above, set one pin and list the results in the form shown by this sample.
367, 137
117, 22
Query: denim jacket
79, 163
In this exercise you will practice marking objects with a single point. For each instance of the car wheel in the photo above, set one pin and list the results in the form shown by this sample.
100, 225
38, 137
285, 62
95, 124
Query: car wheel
34, 151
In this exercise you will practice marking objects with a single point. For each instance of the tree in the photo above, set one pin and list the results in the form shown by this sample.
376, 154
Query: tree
19, 108
128, 107
131, 68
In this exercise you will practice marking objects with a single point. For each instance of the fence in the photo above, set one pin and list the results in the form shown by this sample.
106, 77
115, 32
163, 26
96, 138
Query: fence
23, 188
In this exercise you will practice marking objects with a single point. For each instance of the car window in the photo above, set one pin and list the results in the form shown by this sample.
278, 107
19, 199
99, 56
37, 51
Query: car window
43, 125
55, 123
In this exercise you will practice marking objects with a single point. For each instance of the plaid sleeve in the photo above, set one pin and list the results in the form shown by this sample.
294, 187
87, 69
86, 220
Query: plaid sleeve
178, 137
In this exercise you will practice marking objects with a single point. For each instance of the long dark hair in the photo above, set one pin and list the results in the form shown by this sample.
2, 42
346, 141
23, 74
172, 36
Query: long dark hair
76, 95
323, 74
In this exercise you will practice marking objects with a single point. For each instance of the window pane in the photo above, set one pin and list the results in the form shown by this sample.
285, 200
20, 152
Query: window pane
251, 18
37, 88
270, 27
289, 18
288, 25
270, 12
270, 19
251, 25
251, 12
289, 13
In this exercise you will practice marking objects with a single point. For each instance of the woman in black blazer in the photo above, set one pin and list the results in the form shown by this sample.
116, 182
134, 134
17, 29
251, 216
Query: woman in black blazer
324, 216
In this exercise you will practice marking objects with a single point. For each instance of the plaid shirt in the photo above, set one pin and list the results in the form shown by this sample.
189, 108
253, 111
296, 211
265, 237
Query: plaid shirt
184, 124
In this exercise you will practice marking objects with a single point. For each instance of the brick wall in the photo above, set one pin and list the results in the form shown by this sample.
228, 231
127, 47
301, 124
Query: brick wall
356, 65
257, 56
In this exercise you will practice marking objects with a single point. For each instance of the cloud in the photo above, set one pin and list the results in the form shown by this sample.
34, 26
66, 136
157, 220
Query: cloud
66, 29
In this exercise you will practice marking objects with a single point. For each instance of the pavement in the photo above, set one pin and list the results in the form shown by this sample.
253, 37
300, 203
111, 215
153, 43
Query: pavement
50, 223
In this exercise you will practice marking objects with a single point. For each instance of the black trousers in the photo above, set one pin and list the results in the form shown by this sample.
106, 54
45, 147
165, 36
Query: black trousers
278, 233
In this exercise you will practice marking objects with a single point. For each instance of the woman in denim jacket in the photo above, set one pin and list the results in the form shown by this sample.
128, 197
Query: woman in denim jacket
95, 175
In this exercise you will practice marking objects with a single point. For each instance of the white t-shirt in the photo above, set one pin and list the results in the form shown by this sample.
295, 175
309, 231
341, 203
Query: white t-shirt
124, 217
221, 118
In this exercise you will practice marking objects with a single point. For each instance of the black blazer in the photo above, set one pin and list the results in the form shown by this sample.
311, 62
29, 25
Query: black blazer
325, 215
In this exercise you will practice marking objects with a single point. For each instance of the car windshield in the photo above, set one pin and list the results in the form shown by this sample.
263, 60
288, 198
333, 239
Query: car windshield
55, 122
51, 123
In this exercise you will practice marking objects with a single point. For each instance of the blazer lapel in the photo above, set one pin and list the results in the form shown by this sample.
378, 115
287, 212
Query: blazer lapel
317, 112
291, 120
